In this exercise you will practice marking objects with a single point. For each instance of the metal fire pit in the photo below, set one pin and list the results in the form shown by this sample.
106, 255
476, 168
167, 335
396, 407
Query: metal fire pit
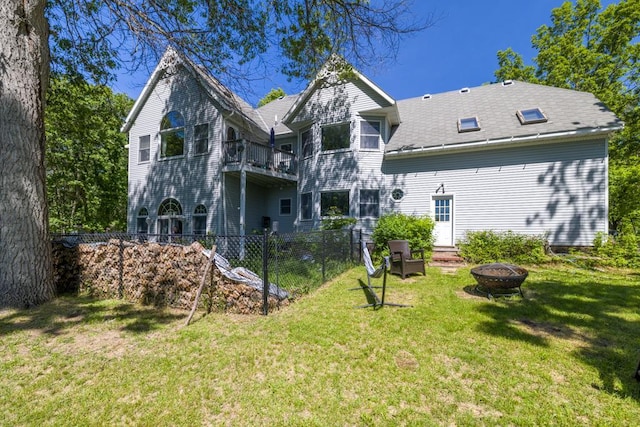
499, 279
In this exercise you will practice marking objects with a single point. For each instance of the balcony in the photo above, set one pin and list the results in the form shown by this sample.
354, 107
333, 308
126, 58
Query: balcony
259, 159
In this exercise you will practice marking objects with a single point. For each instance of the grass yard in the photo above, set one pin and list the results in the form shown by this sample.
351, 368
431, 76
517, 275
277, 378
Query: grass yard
563, 355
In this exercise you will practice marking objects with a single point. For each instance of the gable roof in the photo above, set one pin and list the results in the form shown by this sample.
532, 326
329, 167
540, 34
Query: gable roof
228, 101
329, 74
430, 123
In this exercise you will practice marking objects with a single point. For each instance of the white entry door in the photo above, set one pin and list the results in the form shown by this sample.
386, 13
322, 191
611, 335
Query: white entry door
442, 208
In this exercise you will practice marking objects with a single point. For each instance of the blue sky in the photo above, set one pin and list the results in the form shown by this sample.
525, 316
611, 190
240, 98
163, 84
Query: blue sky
458, 51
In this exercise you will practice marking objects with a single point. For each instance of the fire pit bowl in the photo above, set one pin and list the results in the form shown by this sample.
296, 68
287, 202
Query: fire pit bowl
495, 279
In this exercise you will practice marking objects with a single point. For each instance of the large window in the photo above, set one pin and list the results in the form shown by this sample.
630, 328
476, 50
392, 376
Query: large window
200, 220
369, 203
144, 149
170, 217
172, 135
334, 203
142, 224
201, 139
307, 143
336, 137
370, 134
306, 206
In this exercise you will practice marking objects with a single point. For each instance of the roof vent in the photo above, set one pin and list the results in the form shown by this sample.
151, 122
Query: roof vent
465, 90
426, 96
507, 82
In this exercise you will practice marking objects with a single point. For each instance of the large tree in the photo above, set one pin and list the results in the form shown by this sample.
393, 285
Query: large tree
595, 50
85, 156
232, 38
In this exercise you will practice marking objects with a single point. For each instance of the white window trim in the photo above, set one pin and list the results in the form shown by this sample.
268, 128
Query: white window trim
336, 150
168, 130
148, 149
380, 141
208, 139
348, 191
360, 202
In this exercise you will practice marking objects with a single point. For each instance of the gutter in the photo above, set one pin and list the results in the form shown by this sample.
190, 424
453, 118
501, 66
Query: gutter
435, 149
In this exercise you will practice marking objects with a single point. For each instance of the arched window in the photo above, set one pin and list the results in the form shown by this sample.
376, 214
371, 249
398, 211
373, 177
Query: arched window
231, 134
170, 217
200, 220
142, 224
172, 135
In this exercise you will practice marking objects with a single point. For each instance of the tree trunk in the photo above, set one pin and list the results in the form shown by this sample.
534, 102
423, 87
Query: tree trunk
25, 247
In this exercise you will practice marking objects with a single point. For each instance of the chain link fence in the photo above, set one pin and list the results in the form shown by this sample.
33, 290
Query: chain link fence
294, 262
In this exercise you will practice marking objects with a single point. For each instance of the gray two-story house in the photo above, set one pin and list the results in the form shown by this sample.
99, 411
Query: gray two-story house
506, 156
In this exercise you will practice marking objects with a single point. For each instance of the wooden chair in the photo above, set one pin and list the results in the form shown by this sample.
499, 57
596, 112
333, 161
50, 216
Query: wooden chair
404, 260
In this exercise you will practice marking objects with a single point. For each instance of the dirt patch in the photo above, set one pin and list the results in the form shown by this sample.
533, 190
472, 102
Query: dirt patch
406, 360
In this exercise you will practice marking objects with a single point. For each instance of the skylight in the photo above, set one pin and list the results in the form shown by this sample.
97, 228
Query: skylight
532, 115
468, 124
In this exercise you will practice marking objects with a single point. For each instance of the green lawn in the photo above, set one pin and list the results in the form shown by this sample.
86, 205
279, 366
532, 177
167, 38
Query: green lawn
563, 355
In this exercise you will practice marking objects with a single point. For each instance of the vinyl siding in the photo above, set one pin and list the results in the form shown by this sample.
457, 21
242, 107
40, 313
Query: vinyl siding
190, 179
349, 169
558, 188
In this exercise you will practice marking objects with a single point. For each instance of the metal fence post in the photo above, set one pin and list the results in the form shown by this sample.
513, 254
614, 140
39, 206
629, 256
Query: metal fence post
265, 272
324, 256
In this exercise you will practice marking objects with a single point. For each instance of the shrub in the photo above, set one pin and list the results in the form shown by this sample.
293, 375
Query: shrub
418, 230
481, 247
619, 251
335, 220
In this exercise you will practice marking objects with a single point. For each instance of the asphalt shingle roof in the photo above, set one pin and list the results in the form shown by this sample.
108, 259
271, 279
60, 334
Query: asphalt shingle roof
278, 107
433, 121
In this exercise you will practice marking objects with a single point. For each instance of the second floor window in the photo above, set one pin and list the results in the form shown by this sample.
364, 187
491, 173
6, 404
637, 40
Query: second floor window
172, 135
336, 137
307, 143
201, 139
144, 149
370, 134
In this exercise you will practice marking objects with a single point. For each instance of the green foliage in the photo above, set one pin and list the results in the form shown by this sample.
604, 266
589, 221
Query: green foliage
481, 247
589, 49
623, 250
85, 156
232, 38
335, 220
418, 230
272, 96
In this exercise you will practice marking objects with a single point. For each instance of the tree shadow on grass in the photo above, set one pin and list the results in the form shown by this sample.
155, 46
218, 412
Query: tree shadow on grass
595, 311
67, 312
